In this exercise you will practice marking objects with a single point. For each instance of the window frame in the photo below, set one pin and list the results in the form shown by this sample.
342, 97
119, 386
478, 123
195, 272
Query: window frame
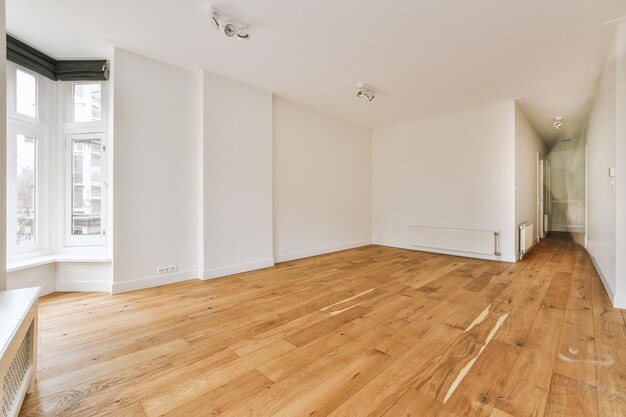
70, 126
13, 130
84, 240
44, 94
52, 126
37, 88
73, 96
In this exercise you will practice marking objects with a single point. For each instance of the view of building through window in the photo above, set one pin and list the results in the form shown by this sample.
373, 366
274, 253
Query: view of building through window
87, 102
26, 94
26, 181
86, 186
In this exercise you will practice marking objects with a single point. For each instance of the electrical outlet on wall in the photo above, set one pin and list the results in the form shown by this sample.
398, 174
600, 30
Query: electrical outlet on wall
166, 269
284, 251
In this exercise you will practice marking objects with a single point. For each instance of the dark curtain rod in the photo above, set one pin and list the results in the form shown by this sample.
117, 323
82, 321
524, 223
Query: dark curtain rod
62, 70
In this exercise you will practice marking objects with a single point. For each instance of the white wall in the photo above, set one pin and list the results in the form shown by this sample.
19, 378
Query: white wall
83, 276
620, 163
3, 129
452, 171
322, 183
60, 275
527, 145
155, 171
237, 177
606, 143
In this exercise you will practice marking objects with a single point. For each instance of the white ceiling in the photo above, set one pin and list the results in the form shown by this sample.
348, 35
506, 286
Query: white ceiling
424, 57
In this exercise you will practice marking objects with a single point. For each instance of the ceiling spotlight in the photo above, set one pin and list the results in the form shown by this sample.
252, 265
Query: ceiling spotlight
565, 142
365, 92
229, 30
231, 25
242, 33
558, 122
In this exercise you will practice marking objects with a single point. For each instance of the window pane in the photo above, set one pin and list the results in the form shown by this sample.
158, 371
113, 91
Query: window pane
26, 94
87, 102
26, 188
86, 187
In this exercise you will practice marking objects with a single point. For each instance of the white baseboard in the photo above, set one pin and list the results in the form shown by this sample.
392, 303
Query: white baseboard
237, 269
154, 281
618, 301
320, 251
83, 286
446, 252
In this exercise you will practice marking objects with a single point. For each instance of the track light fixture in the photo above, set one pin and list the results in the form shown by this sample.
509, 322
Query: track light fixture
558, 122
230, 25
365, 92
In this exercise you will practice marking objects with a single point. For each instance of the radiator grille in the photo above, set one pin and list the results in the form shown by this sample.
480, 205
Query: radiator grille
526, 237
470, 241
17, 372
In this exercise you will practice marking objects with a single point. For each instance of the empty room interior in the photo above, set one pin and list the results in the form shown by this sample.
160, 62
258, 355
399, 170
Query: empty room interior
313, 208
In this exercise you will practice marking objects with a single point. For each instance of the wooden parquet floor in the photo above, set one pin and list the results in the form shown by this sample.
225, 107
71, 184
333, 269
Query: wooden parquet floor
373, 331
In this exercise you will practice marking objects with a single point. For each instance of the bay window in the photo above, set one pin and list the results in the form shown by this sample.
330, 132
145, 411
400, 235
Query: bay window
56, 170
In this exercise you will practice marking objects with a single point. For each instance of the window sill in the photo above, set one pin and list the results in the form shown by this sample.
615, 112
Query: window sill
18, 265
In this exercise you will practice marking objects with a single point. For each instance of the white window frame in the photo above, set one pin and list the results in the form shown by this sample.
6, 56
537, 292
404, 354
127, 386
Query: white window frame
37, 87
14, 129
43, 94
84, 240
39, 128
94, 126
52, 127
78, 130
102, 103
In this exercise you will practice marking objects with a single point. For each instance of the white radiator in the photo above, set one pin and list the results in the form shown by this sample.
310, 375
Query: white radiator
18, 347
526, 238
470, 241
546, 224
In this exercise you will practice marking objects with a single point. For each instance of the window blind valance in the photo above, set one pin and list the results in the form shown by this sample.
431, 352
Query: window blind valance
63, 70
